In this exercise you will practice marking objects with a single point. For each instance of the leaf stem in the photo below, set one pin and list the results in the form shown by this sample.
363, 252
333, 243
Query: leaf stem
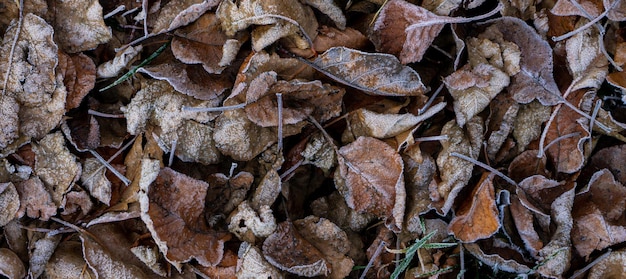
445, 19
590, 23
213, 109
484, 166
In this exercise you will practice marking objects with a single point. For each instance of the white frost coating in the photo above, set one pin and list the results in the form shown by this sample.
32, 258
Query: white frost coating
261, 225
113, 67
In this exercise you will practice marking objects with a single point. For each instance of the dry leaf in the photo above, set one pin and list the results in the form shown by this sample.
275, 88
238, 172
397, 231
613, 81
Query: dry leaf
10, 264
420, 171
287, 250
56, 166
535, 80
610, 267
477, 218
334, 208
455, 172
173, 209
104, 264
524, 224
372, 182
35, 201
588, 66
79, 77
75, 200
591, 9
611, 158
526, 165
473, 89
331, 37
67, 262
503, 113
226, 193
558, 252
251, 264
248, 224
373, 73
9, 202
527, 126
79, 25
34, 102
319, 153
277, 19
203, 42
331, 241
494, 259
115, 66
441, 7
178, 13
94, 179
329, 8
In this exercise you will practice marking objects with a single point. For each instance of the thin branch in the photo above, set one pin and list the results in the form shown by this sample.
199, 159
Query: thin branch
587, 25
431, 99
214, 109
444, 19
590, 265
12, 52
125, 180
279, 100
485, 166
172, 150
556, 140
105, 115
369, 265
114, 12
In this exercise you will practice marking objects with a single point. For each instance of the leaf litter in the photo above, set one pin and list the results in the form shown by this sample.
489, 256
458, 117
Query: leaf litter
274, 138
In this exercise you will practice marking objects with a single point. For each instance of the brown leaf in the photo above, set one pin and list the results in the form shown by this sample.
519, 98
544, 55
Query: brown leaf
9, 201
609, 267
35, 201
611, 158
372, 182
473, 89
527, 126
591, 8
588, 66
455, 172
10, 264
42, 247
94, 179
56, 166
289, 251
203, 42
79, 77
173, 209
372, 73
508, 262
249, 224
557, 253
334, 208
420, 171
477, 217
67, 261
524, 223
526, 165
178, 13
104, 264
331, 37
122, 58
390, 34
79, 25
226, 193
535, 81
503, 113
190, 80
277, 19
329, 8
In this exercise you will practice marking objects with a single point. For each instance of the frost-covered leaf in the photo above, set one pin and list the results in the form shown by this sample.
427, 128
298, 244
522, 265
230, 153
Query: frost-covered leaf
35, 201
373, 73
588, 66
79, 25
67, 261
79, 77
287, 250
121, 60
10, 264
535, 80
477, 218
173, 209
9, 201
248, 224
42, 247
276, 19
456, 172
609, 267
94, 179
372, 182
178, 13
473, 89
252, 264
329, 8
56, 166
104, 264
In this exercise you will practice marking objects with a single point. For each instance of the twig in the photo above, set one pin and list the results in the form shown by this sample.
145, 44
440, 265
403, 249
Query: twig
214, 109
172, 150
430, 100
485, 166
374, 256
445, 19
114, 12
279, 100
106, 115
125, 180
591, 264
17, 35
590, 23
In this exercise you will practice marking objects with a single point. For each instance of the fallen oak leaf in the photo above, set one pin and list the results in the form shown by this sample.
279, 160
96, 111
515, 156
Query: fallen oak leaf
373, 73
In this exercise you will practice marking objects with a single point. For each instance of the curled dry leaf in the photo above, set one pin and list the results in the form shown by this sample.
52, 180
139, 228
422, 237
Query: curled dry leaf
35, 201
251, 263
420, 171
277, 19
503, 113
365, 122
496, 260
9, 201
226, 193
79, 25
588, 66
372, 182
329, 8
75, 200
372, 73
455, 172
10, 264
477, 217
441, 7
56, 166
247, 224
173, 209
79, 77
42, 247
557, 253
34, 102
178, 13
203, 42
610, 158
473, 89
94, 179
526, 165
535, 80
122, 58
287, 250
524, 223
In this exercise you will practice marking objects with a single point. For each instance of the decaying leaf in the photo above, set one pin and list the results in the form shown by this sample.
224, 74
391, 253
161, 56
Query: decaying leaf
104, 264
527, 126
56, 166
35, 201
557, 253
473, 89
178, 13
226, 193
42, 248
122, 58
373, 73
588, 66
494, 259
287, 250
334, 208
609, 267
34, 102
372, 182
535, 80
67, 261
79, 77
477, 218
94, 179
456, 172
247, 224
79, 25
172, 207
503, 113
331, 37
277, 19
